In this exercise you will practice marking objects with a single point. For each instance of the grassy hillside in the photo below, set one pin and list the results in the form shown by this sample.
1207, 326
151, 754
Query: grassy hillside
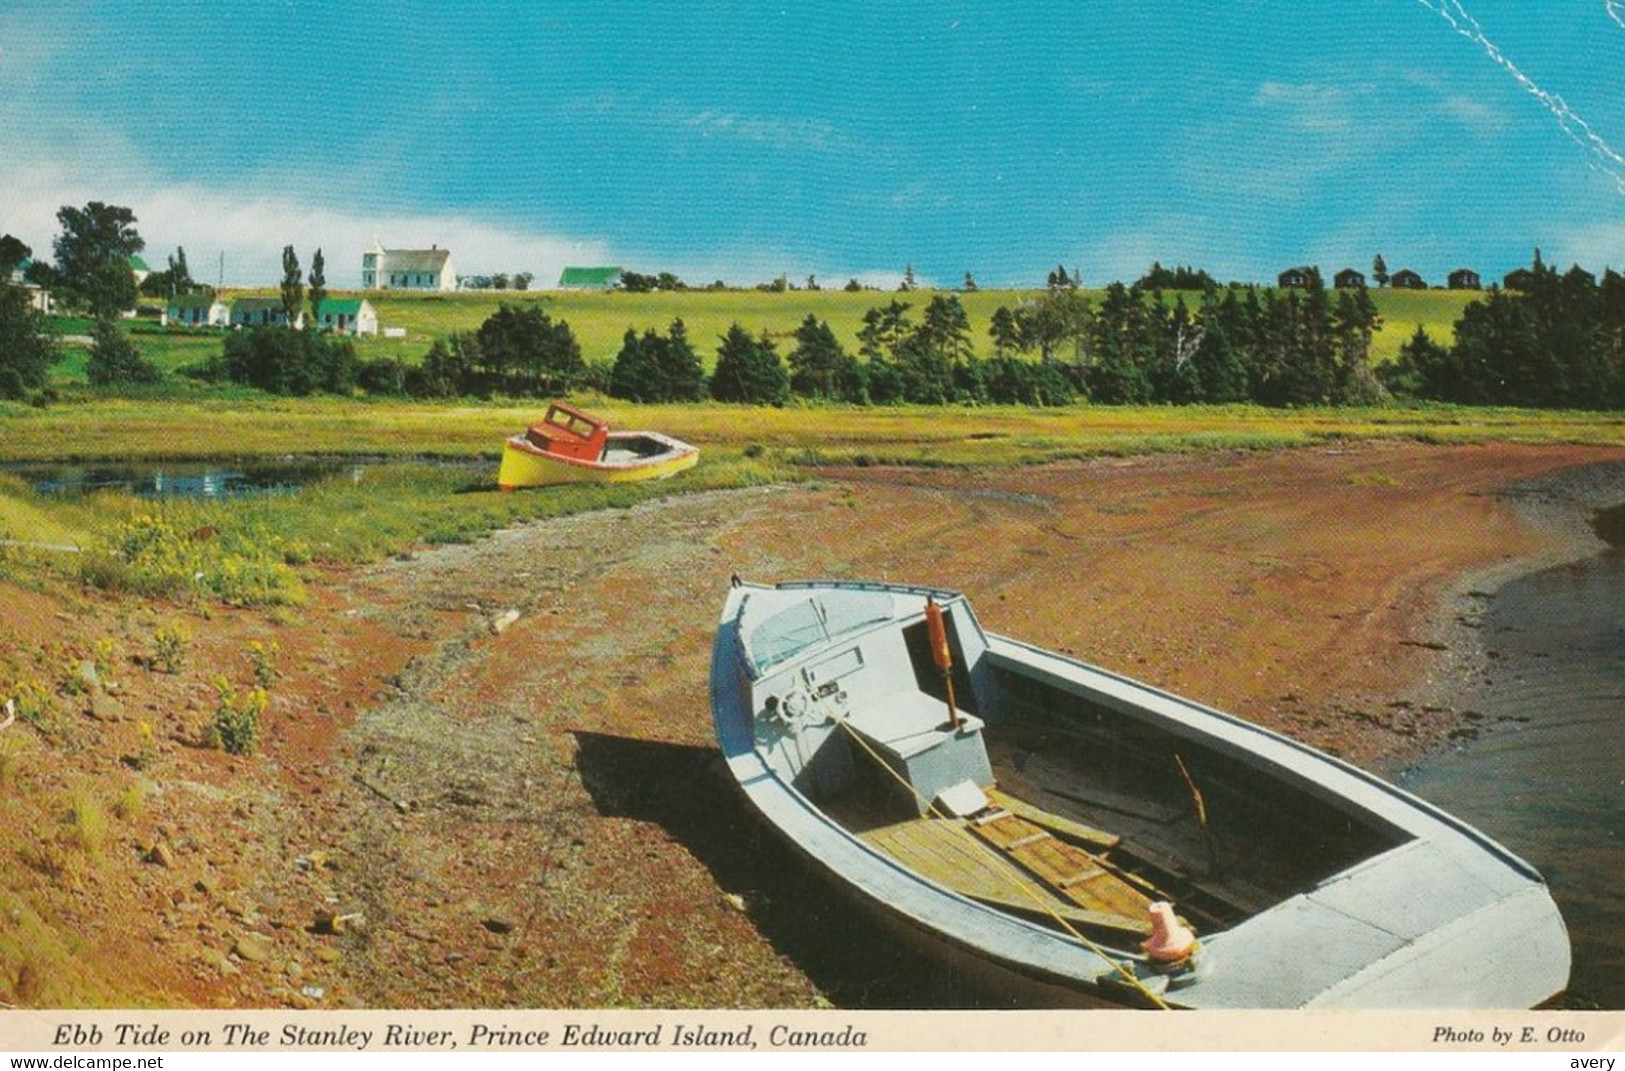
1403, 311
600, 319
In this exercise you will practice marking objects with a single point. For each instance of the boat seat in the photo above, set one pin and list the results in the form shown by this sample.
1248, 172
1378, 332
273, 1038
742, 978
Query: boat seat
911, 733
907, 723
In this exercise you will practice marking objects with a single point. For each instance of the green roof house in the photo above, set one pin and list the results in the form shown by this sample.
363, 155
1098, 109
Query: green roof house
348, 316
138, 268
590, 279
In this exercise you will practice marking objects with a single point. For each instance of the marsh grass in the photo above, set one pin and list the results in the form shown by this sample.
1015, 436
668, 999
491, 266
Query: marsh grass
131, 801
389, 508
12, 748
173, 552
146, 750
237, 718
44, 964
169, 646
70, 681
120, 430
87, 823
33, 705
254, 550
24, 520
263, 657
102, 653
77, 838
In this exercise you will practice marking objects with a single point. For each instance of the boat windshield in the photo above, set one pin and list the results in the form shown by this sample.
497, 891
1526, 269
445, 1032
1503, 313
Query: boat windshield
813, 622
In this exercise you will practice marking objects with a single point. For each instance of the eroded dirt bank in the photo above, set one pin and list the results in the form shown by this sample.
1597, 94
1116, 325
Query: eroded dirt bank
488, 775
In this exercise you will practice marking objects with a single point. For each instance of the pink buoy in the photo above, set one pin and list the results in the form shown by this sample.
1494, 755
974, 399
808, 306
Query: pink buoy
1170, 941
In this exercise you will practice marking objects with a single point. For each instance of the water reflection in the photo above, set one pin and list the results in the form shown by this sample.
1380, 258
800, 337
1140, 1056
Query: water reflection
184, 480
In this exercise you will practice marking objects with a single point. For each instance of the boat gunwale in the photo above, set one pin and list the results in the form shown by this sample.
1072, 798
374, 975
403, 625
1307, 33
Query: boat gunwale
1406, 802
1019, 944
675, 449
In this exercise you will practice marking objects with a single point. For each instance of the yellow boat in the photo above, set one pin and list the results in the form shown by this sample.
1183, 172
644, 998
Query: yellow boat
570, 446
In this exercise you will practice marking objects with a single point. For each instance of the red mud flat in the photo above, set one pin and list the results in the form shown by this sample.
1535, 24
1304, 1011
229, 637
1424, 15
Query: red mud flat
488, 777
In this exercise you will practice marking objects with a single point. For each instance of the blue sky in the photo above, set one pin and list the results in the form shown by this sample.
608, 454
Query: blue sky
741, 141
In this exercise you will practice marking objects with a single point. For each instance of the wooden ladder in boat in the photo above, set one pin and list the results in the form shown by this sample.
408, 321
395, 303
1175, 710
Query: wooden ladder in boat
1067, 870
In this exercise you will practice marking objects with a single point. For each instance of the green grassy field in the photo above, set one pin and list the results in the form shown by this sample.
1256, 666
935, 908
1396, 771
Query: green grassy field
1403, 311
601, 319
89, 430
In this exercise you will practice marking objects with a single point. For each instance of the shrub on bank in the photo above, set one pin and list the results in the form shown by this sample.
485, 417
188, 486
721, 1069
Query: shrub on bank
150, 555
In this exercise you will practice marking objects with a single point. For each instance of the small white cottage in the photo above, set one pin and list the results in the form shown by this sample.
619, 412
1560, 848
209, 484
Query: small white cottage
348, 316
196, 310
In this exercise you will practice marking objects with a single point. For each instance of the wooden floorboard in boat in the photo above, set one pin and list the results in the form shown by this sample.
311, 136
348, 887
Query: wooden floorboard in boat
1066, 869
1065, 828
947, 852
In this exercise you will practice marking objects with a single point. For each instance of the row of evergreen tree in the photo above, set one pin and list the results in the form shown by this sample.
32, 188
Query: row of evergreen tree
1276, 348
1555, 340
1558, 341
522, 351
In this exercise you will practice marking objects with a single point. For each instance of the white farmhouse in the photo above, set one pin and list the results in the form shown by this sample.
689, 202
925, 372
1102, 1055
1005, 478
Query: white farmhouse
407, 269
38, 297
348, 316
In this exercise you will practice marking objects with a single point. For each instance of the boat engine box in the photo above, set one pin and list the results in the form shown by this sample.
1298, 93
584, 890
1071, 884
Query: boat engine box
914, 735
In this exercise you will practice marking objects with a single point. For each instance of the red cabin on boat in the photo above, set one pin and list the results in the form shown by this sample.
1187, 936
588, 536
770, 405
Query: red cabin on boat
568, 432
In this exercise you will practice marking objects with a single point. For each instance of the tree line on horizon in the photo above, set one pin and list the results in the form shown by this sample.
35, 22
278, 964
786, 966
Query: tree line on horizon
1133, 347
1546, 340
1555, 341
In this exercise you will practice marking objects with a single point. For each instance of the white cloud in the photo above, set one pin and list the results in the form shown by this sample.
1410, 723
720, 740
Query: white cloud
919, 194
779, 133
1604, 157
31, 42
1316, 109
1470, 112
1597, 246
1297, 137
246, 231
1214, 245
885, 279
745, 267
55, 155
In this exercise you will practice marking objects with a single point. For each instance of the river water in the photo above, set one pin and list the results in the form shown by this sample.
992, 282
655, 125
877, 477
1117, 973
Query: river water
1548, 780
207, 480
